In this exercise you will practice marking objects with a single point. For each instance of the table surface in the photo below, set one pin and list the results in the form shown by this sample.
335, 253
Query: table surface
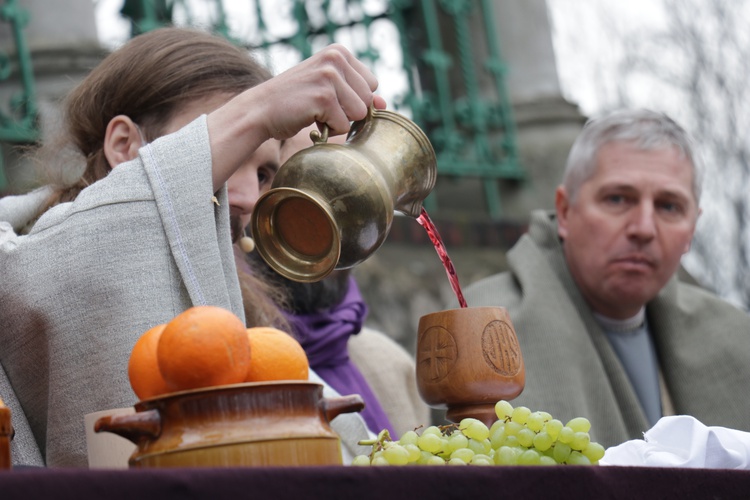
382, 483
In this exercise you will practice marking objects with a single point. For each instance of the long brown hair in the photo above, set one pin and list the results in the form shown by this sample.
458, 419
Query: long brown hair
149, 79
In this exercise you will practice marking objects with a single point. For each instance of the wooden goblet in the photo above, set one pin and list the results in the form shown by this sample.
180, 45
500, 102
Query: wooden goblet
467, 360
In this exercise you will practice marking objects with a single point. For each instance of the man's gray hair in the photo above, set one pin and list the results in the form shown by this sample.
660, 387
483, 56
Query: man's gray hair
644, 129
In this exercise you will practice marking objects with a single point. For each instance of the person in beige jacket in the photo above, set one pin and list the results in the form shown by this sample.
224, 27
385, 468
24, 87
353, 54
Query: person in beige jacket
159, 126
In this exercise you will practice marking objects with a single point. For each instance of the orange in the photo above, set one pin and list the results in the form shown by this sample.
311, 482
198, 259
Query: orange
143, 370
275, 355
203, 346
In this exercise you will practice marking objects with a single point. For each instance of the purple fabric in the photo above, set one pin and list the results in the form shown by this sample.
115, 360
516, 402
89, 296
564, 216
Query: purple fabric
368, 483
324, 336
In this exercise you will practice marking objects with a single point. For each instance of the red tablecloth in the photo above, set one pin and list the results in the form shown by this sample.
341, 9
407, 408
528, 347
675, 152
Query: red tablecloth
381, 483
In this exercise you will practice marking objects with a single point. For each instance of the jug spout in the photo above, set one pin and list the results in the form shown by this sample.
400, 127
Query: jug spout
331, 205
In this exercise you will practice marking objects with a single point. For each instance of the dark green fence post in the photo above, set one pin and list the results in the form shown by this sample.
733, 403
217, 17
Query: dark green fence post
19, 124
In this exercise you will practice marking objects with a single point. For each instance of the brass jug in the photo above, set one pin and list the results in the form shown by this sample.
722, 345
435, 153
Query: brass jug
331, 205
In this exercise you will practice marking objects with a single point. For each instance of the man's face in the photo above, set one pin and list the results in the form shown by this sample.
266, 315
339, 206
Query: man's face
631, 222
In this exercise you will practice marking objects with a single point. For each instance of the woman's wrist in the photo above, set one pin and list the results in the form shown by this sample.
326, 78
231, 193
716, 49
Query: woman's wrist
235, 131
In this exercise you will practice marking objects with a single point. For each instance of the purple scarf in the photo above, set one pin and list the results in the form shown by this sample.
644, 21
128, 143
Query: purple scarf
324, 336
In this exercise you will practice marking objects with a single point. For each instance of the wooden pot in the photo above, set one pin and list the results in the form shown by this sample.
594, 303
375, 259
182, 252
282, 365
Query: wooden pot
254, 424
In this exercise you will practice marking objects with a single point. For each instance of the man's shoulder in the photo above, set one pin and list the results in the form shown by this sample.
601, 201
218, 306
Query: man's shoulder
693, 294
692, 301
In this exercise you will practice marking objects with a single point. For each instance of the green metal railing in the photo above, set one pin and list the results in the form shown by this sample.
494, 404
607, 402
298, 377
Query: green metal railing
449, 56
18, 122
446, 51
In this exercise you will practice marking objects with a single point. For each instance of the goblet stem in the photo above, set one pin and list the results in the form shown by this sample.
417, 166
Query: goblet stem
485, 412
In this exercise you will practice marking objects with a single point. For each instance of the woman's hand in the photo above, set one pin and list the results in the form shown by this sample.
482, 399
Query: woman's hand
332, 87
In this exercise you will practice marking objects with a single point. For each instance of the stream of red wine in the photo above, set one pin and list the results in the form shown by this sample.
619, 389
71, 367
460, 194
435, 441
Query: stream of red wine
425, 221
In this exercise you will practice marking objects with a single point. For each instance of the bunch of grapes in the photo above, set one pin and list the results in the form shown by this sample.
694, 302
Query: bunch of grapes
519, 436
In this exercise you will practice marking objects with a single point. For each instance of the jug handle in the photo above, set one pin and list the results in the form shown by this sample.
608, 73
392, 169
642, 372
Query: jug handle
133, 427
333, 407
321, 137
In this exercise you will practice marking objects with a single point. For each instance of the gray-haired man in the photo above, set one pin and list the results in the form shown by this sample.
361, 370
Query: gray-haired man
606, 329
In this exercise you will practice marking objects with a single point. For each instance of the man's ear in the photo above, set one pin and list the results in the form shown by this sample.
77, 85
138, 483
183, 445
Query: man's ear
121, 140
562, 206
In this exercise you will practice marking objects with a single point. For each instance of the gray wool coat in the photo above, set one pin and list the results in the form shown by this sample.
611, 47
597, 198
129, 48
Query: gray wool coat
703, 345
132, 251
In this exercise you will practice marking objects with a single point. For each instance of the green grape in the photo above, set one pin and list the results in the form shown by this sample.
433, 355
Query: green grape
430, 442
580, 441
512, 441
395, 454
503, 410
566, 435
424, 457
474, 429
443, 443
361, 460
546, 416
579, 424
512, 428
505, 455
482, 447
497, 436
464, 454
480, 459
456, 441
525, 437
535, 421
561, 452
520, 414
577, 458
413, 451
594, 452
543, 441
456, 461
379, 461
433, 429
545, 460
435, 460
497, 424
409, 437
553, 428
529, 457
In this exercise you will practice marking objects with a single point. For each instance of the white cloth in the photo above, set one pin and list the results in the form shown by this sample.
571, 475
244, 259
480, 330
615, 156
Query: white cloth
683, 441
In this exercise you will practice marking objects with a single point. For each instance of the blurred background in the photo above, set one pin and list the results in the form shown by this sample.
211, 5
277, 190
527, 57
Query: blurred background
501, 88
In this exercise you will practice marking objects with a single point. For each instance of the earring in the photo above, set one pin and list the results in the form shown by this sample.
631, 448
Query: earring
247, 244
